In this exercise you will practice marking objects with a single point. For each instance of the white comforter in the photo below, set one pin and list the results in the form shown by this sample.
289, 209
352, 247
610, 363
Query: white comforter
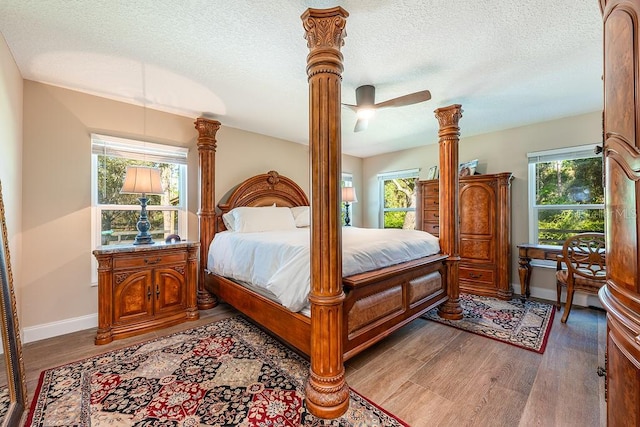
278, 261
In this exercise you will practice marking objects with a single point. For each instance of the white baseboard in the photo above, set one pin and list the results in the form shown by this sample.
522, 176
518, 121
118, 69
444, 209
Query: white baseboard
61, 327
579, 298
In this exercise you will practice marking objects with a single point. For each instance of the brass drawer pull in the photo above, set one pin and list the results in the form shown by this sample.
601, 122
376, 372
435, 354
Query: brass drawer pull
157, 292
148, 293
436, 226
151, 261
475, 276
435, 215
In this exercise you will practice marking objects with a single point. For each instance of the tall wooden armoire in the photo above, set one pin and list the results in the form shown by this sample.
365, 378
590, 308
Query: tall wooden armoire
485, 230
621, 122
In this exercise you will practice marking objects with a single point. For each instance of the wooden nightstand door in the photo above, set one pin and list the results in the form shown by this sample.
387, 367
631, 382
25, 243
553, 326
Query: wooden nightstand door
133, 296
169, 290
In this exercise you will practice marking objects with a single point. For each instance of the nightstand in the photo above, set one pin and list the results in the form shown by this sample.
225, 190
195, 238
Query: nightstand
146, 287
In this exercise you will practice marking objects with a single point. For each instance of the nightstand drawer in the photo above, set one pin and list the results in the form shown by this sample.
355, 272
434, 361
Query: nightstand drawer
149, 260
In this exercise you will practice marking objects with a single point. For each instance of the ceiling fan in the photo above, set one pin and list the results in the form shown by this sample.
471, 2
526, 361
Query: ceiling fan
366, 105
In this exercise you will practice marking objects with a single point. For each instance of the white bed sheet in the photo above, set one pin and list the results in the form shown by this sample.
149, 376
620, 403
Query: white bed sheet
278, 261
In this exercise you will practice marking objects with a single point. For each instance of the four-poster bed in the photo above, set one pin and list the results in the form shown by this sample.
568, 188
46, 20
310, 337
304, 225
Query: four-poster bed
347, 314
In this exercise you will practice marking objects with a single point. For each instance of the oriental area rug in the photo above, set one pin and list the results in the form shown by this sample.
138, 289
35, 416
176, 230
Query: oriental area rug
523, 324
226, 373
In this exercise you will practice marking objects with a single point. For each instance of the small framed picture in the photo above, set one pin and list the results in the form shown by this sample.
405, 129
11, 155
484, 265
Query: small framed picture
468, 168
433, 172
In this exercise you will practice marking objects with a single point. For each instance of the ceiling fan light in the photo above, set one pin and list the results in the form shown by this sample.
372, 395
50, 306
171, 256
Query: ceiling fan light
365, 113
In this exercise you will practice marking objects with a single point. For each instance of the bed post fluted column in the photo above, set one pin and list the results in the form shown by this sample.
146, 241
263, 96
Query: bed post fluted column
207, 129
449, 137
327, 393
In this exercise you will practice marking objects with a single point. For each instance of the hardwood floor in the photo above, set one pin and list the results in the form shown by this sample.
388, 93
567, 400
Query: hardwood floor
430, 374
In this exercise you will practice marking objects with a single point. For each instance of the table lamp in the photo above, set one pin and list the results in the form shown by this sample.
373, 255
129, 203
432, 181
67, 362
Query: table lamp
142, 180
348, 197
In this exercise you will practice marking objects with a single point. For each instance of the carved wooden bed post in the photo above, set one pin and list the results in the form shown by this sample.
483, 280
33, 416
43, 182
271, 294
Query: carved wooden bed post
326, 390
449, 137
207, 129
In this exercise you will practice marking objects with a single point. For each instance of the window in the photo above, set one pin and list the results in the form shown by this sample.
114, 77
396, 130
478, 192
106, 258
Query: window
398, 199
115, 215
566, 195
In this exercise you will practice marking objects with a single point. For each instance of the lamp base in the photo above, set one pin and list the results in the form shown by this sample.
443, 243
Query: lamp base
143, 225
143, 240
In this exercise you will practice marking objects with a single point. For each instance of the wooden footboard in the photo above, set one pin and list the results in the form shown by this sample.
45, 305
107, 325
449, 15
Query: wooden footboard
376, 304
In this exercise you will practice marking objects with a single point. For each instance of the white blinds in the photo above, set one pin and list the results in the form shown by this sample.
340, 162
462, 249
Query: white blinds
138, 150
570, 153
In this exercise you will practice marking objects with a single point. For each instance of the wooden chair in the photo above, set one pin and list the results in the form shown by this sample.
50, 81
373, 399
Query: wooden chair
584, 257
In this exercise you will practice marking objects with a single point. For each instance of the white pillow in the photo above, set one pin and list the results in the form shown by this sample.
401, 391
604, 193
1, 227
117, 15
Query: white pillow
228, 220
302, 216
254, 219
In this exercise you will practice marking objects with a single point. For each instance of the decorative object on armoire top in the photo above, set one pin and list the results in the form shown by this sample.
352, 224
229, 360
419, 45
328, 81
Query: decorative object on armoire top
468, 168
228, 372
142, 180
348, 197
523, 324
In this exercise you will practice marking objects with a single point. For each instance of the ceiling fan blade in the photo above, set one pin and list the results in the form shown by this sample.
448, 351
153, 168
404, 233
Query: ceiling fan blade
351, 107
361, 124
412, 98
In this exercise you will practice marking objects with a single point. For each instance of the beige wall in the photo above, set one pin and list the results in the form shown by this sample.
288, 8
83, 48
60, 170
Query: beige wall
11, 100
504, 151
57, 192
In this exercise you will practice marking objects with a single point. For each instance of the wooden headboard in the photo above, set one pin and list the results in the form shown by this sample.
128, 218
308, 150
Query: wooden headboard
263, 190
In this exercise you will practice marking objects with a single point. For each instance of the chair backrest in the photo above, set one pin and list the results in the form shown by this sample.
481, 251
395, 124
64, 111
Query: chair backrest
584, 255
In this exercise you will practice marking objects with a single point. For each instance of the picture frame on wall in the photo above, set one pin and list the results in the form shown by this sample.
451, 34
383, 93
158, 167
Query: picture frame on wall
433, 172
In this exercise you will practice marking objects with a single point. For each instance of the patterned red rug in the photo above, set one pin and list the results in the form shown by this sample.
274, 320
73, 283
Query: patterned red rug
523, 324
226, 373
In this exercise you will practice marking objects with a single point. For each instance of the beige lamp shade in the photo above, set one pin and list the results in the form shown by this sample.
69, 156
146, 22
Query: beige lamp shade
349, 194
140, 179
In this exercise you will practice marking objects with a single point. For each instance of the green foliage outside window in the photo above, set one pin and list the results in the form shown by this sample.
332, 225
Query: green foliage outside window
116, 224
399, 193
571, 183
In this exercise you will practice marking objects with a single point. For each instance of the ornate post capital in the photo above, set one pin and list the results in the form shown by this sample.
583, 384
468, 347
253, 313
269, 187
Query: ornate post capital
448, 118
207, 129
325, 28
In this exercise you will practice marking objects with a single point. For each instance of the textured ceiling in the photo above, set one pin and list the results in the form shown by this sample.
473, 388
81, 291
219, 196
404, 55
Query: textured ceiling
508, 62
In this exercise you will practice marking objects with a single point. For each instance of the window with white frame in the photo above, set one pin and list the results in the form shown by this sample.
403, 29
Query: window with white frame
566, 195
398, 198
115, 215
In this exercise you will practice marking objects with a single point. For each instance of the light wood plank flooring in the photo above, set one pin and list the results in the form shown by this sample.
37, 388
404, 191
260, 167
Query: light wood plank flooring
429, 374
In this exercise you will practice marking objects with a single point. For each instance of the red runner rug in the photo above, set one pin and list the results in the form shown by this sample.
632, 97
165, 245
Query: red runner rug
523, 324
223, 374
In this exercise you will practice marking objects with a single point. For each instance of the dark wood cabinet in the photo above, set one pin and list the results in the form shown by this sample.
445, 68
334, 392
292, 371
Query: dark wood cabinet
621, 295
143, 288
485, 230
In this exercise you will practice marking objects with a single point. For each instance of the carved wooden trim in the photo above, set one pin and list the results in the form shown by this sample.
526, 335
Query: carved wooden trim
624, 153
207, 130
120, 277
327, 393
449, 136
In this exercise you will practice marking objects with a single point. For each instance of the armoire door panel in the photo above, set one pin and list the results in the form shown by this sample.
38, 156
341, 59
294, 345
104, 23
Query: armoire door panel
621, 228
477, 212
620, 65
477, 249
